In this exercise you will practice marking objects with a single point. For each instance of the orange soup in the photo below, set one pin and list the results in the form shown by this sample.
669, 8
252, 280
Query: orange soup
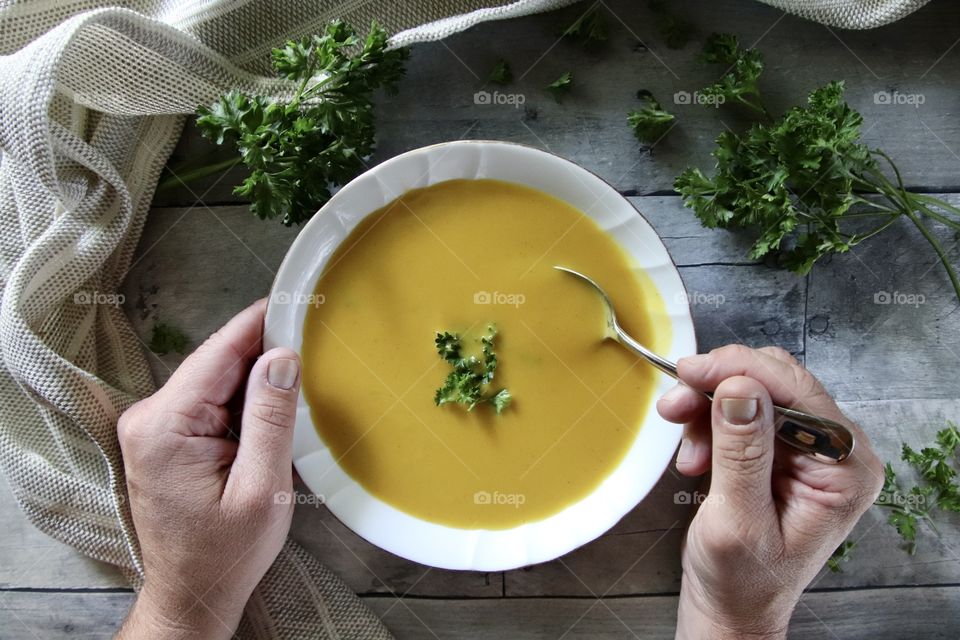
458, 256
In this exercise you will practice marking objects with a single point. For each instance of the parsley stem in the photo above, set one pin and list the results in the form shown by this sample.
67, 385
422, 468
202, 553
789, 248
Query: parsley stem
857, 239
938, 249
937, 202
938, 216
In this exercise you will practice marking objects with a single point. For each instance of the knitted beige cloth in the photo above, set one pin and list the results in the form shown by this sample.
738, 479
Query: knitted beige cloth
92, 101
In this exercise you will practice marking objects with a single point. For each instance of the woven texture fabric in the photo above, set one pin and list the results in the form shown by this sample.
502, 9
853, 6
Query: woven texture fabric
92, 100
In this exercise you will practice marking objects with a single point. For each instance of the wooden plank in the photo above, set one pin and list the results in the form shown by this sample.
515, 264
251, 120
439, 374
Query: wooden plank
932, 612
887, 70
32, 559
869, 614
36, 615
883, 321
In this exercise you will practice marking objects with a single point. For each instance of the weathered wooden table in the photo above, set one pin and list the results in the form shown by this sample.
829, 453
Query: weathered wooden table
893, 367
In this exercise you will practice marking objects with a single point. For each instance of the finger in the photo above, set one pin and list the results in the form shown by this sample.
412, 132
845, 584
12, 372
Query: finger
779, 353
266, 428
788, 384
693, 458
743, 444
214, 372
682, 404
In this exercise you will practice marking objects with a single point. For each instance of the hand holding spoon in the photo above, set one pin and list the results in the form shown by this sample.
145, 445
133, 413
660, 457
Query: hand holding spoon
820, 438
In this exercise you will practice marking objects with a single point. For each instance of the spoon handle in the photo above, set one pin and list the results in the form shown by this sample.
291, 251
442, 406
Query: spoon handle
823, 439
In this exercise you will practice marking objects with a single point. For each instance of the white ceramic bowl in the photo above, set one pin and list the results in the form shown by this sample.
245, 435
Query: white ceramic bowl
427, 542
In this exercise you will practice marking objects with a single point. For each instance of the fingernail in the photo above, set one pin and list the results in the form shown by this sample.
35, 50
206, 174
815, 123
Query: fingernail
282, 373
673, 394
698, 360
685, 454
739, 410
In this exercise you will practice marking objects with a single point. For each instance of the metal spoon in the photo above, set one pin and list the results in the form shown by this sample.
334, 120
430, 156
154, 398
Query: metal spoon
820, 438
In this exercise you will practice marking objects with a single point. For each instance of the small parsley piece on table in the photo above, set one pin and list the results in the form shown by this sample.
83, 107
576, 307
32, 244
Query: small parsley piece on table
501, 73
840, 554
166, 338
561, 86
676, 32
465, 383
589, 30
650, 122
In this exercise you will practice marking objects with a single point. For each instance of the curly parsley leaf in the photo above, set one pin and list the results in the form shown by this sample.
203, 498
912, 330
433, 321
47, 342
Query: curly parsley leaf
650, 122
739, 81
841, 554
166, 338
561, 86
297, 151
675, 31
465, 383
501, 73
589, 30
935, 465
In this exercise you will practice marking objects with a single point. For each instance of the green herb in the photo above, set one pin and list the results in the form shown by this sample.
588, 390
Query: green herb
501, 73
676, 32
465, 383
744, 66
841, 554
561, 86
589, 30
938, 487
166, 338
802, 182
299, 149
650, 122
907, 508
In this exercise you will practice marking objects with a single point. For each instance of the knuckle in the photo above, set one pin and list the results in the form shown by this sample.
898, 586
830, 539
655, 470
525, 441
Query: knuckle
780, 354
732, 352
747, 456
273, 410
130, 422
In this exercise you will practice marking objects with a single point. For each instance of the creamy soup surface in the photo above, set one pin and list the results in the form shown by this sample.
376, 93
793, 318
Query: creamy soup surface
455, 257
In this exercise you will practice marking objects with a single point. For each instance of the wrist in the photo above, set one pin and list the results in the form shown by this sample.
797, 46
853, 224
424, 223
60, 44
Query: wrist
696, 620
163, 615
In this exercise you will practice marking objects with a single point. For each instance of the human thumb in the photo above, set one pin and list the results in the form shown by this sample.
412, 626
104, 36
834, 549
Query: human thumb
269, 412
743, 444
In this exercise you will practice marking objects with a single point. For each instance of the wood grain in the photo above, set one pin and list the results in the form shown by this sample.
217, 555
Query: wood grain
884, 69
931, 613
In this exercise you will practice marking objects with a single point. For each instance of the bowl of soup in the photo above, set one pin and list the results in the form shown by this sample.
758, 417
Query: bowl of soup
458, 241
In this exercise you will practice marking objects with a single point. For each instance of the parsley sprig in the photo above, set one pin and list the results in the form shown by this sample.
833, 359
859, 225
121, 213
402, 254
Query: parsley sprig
651, 121
297, 150
805, 181
465, 383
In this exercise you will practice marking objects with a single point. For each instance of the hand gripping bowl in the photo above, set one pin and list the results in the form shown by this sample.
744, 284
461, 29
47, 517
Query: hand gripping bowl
427, 542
